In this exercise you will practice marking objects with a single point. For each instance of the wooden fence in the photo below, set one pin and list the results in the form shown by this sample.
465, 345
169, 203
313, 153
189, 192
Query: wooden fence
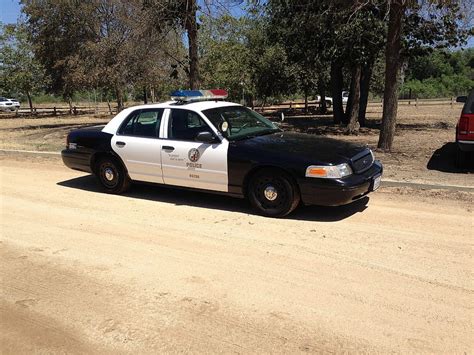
294, 106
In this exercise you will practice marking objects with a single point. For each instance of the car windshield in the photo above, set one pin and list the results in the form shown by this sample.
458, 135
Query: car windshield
238, 122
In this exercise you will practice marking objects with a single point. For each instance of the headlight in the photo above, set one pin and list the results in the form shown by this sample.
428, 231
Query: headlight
329, 171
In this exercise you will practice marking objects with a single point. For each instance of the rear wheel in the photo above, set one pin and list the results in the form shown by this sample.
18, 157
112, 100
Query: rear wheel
111, 176
273, 193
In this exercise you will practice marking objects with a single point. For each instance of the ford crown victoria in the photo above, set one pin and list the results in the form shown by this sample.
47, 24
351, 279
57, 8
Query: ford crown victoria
200, 141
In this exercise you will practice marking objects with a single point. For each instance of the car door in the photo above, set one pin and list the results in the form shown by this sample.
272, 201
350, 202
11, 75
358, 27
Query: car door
186, 162
138, 145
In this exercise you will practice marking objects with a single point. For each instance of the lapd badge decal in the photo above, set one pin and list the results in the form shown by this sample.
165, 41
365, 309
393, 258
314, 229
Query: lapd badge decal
194, 155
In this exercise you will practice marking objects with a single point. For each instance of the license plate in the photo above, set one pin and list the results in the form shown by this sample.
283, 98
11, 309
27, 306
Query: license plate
376, 183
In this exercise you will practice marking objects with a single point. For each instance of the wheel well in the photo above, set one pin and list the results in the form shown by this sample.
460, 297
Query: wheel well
257, 169
97, 156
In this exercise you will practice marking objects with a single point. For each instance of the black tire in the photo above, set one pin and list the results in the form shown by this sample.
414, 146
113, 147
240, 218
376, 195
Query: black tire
111, 176
268, 182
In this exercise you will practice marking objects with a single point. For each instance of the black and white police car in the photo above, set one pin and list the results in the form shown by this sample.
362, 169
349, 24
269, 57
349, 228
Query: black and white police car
199, 141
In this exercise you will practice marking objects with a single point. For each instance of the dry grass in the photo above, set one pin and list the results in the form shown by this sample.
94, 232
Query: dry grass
43, 134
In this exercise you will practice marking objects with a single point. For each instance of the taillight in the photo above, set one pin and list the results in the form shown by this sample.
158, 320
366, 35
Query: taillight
463, 125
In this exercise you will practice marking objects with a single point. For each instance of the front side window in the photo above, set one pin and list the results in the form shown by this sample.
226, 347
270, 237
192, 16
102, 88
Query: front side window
143, 123
238, 122
185, 125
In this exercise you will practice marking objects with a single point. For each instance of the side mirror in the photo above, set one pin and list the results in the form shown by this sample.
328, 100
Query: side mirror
461, 99
206, 137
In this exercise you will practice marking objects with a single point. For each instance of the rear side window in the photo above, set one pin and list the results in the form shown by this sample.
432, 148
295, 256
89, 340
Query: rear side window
468, 108
142, 123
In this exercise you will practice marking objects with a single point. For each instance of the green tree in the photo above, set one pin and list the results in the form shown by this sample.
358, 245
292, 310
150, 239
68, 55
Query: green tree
323, 37
19, 69
225, 54
412, 26
113, 45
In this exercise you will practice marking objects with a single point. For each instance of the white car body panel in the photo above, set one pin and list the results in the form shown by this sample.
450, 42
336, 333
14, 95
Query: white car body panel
141, 156
208, 172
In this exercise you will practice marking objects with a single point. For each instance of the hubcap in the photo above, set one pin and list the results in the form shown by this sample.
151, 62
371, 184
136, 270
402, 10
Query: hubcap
270, 193
109, 174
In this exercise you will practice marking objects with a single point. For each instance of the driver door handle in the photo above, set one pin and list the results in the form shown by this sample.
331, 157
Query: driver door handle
120, 144
167, 147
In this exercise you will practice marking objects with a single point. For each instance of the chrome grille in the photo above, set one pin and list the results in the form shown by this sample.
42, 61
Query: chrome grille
362, 163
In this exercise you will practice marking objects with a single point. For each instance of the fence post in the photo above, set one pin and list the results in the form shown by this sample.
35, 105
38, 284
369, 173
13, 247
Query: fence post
452, 101
416, 102
74, 111
54, 110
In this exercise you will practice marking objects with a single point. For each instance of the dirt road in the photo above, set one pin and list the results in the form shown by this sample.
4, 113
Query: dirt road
163, 270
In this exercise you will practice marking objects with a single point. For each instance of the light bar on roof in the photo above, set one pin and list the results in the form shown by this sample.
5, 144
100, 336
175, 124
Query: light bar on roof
198, 95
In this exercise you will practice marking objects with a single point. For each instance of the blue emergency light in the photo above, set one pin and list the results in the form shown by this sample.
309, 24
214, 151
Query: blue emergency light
198, 95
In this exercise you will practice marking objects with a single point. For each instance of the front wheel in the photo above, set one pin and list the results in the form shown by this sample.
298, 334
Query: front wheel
111, 176
273, 193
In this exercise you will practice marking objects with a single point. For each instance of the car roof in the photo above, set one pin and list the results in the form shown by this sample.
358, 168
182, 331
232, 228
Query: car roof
198, 106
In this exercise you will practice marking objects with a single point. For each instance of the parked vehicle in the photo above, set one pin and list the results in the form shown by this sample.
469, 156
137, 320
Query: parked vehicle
465, 130
199, 141
329, 100
345, 97
9, 104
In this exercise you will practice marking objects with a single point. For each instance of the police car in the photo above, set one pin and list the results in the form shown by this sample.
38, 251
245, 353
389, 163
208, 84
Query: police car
200, 141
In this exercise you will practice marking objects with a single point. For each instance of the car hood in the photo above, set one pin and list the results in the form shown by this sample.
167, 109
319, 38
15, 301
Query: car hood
313, 149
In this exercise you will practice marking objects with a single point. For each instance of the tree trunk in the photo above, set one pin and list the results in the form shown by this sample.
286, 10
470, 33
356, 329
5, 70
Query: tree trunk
192, 31
392, 59
110, 107
145, 95
364, 91
305, 100
336, 91
119, 93
69, 101
353, 115
324, 105
30, 102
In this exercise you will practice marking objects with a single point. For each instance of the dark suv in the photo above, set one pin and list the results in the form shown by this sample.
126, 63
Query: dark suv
465, 130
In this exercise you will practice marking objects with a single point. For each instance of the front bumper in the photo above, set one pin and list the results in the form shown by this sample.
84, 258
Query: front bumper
9, 107
336, 192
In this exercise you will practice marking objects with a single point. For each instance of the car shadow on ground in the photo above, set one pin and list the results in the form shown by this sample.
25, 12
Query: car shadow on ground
185, 197
444, 158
